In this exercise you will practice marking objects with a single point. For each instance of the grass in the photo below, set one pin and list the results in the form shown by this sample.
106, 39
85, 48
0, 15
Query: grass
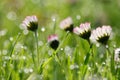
74, 59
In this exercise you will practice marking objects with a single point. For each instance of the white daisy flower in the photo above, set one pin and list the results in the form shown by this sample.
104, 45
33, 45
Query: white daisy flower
101, 34
30, 23
67, 24
84, 30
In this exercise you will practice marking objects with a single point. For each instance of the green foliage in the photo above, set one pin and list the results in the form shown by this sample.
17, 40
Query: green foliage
74, 59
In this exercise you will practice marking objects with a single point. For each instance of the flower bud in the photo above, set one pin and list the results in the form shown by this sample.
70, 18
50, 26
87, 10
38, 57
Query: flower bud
53, 41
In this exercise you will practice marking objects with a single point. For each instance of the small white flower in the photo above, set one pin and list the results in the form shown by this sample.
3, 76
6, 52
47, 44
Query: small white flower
101, 34
84, 30
67, 24
3, 32
31, 23
117, 55
53, 41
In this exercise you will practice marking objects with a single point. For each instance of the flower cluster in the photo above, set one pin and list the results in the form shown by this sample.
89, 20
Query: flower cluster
53, 41
84, 30
101, 34
31, 23
67, 24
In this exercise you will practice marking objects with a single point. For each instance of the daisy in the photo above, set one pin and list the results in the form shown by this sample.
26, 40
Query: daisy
53, 41
101, 34
30, 23
67, 24
84, 30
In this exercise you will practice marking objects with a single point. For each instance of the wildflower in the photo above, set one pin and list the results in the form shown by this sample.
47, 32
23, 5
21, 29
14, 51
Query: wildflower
117, 55
53, 41
84, 30
67, 24
101, 34
31, 23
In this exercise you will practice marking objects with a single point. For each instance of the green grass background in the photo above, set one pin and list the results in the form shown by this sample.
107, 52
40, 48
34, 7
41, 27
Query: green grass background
97, 12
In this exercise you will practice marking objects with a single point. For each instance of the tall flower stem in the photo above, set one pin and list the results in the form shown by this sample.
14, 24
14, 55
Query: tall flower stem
12, 47
37, 50
11, 52
54, 26
87, 60
112, 64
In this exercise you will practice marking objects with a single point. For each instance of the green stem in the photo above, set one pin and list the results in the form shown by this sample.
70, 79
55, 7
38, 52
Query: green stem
36, 38
12, 47
88, 55
11, 52
34, 60
112, 61
85, 68
54, 26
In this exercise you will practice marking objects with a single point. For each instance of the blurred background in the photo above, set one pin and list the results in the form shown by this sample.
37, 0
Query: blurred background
98, 12
50, 13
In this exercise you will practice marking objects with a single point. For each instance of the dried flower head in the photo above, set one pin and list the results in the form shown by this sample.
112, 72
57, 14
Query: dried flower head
53, 41
101, 34
67, 24
84, 30
31, 23
117, 55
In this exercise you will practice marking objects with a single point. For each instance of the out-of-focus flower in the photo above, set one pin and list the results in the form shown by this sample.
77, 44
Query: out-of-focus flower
117, 55
3, 32
53, 41
67, 24
101, 34
31, 23
84, 30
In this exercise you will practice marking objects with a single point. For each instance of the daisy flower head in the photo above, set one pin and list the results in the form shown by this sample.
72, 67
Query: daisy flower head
84, 30
53, 41
67, 24
30, 23
117, 55
101, 34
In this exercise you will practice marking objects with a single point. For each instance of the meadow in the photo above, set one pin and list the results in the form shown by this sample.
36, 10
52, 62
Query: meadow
51, 48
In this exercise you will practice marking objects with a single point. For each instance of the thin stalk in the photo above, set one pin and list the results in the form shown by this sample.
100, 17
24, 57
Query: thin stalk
36, 38
116, 76
112, 60
54, 26
12, 47
85, 68
11, 52
34, 60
